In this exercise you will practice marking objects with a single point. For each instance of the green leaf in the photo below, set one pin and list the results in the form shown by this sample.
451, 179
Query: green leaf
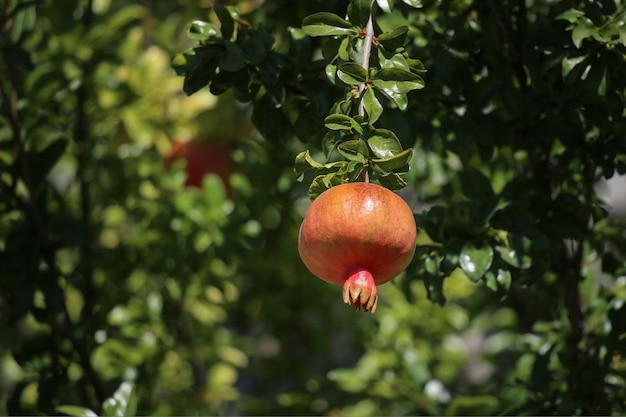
330, 141
122, 403
305, 161
395, 39
232, 60
23, 18
391, 180
399, 99
226, 19
416, 66
514, 257
395, 61
434, 288
354, 150
373, 108
394, 162
352, 74
322, 183
414, 3
75, 411
201, 31
327, 24
331, 72
500, 283
583, 30
342, 122
384, 143
571, 15
354, 170
475, 260
385, 5
359, 12
392, 80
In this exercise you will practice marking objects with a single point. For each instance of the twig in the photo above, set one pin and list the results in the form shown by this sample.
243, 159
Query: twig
367, 52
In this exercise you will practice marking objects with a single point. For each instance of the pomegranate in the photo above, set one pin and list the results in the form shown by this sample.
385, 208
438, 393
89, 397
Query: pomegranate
358, 235
202, 157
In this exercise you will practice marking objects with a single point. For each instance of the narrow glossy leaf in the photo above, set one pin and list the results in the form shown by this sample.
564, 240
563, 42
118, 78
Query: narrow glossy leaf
354, 150
394, 162
399, 99
331, 73
414, 3
322, 183
384, 144
397, 81
200, 30
344, 49
391, 180
226, 19
514, 258
342, 122
359, 12
373, 108
352, 74
475, 260
327, 24
385, 5
75, 411
394, 39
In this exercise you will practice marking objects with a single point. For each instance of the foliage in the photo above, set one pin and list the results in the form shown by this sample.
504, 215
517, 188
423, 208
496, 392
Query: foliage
123, 292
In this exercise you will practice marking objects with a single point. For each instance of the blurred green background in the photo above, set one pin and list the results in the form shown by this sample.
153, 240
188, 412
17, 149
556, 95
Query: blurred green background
113, 271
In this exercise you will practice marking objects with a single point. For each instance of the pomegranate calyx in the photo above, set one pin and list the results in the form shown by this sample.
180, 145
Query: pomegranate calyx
360, 291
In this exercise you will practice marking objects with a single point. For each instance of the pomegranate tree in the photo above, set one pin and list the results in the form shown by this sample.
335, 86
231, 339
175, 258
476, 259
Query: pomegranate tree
358, 235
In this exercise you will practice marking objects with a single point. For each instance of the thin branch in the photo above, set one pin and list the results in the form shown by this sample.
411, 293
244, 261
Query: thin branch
367, 52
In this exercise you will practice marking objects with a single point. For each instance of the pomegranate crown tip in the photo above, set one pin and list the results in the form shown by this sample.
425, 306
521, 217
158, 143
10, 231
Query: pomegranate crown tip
360, 291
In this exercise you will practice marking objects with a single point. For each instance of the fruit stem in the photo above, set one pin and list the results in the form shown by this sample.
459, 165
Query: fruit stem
360, 291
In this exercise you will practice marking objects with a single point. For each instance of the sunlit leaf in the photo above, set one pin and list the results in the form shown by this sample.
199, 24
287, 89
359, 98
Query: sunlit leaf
392, 80
394, 162
352, 74
384, 143
373, 108
475, 260
414, 3
354, 150
385, 5
342, 122
200, 30
327, 24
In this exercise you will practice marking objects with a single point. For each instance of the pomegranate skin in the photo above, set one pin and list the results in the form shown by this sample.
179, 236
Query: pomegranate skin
357, 227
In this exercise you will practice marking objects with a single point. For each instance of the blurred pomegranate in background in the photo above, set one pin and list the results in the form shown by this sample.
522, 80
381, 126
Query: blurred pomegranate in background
203, 157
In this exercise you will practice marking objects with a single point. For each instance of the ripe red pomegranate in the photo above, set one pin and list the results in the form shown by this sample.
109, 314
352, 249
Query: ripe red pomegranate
203, 157
358, 235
